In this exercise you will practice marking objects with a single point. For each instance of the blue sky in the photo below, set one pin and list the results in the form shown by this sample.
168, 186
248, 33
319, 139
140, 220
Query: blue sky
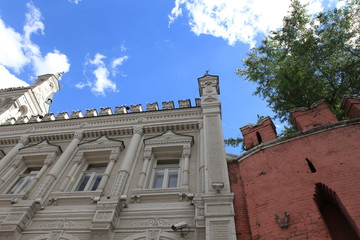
123, 52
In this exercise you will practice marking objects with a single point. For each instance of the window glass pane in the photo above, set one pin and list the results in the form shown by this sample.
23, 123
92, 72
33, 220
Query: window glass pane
16, 185
95, 182
173, 177
25, 185
158, 178
84, 180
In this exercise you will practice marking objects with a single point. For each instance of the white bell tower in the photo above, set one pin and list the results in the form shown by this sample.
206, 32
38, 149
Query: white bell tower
24, 102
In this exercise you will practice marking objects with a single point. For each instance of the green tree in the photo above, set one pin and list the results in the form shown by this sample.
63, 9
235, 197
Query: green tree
312, 57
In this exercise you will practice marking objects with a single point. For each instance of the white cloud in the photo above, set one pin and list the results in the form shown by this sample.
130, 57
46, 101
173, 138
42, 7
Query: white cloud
8, 80
17, 50
117, 62
75, 1
53, 62
102, 82
234, 20
11, 53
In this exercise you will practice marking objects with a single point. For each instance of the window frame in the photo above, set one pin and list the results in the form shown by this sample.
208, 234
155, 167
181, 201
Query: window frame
166, 169
23, 186
92, 173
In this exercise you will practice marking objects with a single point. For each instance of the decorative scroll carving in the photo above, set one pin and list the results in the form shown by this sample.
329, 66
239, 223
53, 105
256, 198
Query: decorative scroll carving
147, 152
24, 140
186, 151
200, 211
114, 154
154, 222
62, 224
50, 159
138, 129
136, 198
201, 125
13, 217
104, 215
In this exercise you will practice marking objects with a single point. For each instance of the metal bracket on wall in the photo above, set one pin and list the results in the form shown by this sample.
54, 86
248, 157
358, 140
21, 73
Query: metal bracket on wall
286, 220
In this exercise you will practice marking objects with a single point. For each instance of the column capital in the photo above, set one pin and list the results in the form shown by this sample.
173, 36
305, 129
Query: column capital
24, 140
138, 129
114, 155
79, 135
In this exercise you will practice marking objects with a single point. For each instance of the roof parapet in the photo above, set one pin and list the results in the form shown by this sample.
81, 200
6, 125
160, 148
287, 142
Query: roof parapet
351, 106
318, 114
103, 112
263, 131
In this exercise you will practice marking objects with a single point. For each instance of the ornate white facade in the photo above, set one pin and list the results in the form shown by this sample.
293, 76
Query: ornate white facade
154, 175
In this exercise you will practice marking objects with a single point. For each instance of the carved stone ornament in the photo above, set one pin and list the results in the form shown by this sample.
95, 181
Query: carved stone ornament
17, 162
114, 154
24, 140
147, 153
56, 235
103, 215
138, 129
169, 138
154, 222
14, 217
63, 224
79, 135
153, 234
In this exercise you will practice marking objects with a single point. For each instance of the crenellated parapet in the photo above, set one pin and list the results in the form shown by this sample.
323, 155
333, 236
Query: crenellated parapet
107, 111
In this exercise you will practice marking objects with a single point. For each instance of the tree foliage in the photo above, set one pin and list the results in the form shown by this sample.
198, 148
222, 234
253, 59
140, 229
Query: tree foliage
312, 57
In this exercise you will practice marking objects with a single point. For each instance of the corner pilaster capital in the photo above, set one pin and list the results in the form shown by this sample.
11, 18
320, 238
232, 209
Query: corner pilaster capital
24, 140
147, 153
138, 129
79, 135
114, 155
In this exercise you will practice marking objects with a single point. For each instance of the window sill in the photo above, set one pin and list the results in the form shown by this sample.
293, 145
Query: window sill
74, 198
158, 194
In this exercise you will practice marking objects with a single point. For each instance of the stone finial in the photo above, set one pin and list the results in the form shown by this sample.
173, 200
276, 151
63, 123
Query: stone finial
136, 108
184, 103
48, 117
152, 106
91, 113
62, 116
76, 114
318, 114
121, 110
168, 105
208, 85
105, 111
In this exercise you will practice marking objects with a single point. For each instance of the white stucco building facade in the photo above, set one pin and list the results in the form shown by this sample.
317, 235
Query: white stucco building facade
120, 173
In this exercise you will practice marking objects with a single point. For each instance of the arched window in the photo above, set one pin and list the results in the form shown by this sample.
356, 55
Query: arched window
334, 214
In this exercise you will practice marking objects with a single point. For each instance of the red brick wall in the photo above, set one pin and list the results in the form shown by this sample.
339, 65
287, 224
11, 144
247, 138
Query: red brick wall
319, 114
278, 178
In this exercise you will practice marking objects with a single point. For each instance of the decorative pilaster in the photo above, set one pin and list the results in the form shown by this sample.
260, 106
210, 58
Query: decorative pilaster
147, 156
218, 203
59, 166
113, 157
24, 140
201, 181
186, 156
78, 160
18, 161
48, 161
129, 160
